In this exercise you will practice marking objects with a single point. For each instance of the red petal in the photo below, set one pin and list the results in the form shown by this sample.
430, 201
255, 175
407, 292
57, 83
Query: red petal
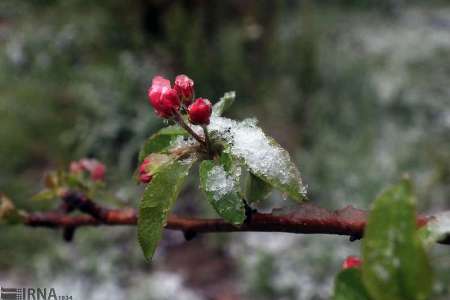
160, 81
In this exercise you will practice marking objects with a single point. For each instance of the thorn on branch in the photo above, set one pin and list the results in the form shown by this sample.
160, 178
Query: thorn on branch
355, 237
248, 212
189, 235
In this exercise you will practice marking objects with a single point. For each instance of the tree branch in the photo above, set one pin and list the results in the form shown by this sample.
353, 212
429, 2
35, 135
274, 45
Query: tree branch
307, 219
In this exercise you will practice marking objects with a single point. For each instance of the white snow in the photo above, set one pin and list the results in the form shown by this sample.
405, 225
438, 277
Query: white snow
262, 155
440, 225
182, 142
219, 182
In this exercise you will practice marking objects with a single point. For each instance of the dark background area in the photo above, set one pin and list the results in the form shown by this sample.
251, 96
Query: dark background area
357, 91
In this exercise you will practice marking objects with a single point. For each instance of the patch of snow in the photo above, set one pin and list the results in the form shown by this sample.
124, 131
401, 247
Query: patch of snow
440, 225
219, 183
262, 155
182, 142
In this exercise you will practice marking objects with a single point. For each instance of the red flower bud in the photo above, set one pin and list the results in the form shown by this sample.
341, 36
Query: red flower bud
351, 262
163, 98
150, 166
76, 167
98, 172
185, 88
145, 178
145, 175
143, 166
200, 111
95, 168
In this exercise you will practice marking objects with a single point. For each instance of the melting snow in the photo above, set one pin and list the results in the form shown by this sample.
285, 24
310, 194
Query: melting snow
182, 142
219, 182
440, 225
262, 155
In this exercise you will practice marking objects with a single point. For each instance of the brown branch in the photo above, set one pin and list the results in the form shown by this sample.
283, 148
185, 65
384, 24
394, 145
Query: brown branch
308, 219
180, 120
82, 203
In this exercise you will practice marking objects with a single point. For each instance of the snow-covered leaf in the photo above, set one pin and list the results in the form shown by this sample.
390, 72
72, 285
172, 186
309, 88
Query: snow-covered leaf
224, 103
349, 286
221, 187
395, 266
256, 189
161, 140
159, 196
262, 155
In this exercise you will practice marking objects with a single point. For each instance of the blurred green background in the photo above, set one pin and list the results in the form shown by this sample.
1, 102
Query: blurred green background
357, 91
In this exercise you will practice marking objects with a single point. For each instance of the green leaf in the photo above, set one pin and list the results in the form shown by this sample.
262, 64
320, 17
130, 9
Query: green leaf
159, 196
229, 163
349, 286
262, 155
437, 228
161, 140
395, 265
224, 103
45, 195
256, 189
221, 188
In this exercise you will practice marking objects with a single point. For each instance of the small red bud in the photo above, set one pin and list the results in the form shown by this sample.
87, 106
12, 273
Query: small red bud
76, 167
351, 262
145, 178
95, 168
98, 172
163, 98
185, 88
145, 175
143, 166
150, 166
87, 164
200, 111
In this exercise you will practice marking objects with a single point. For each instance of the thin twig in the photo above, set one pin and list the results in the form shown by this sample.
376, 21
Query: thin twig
208, 142
183, 124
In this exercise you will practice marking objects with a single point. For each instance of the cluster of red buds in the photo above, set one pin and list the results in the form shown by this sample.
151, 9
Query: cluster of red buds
167, 101
351, 262
170, 103
95, 168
